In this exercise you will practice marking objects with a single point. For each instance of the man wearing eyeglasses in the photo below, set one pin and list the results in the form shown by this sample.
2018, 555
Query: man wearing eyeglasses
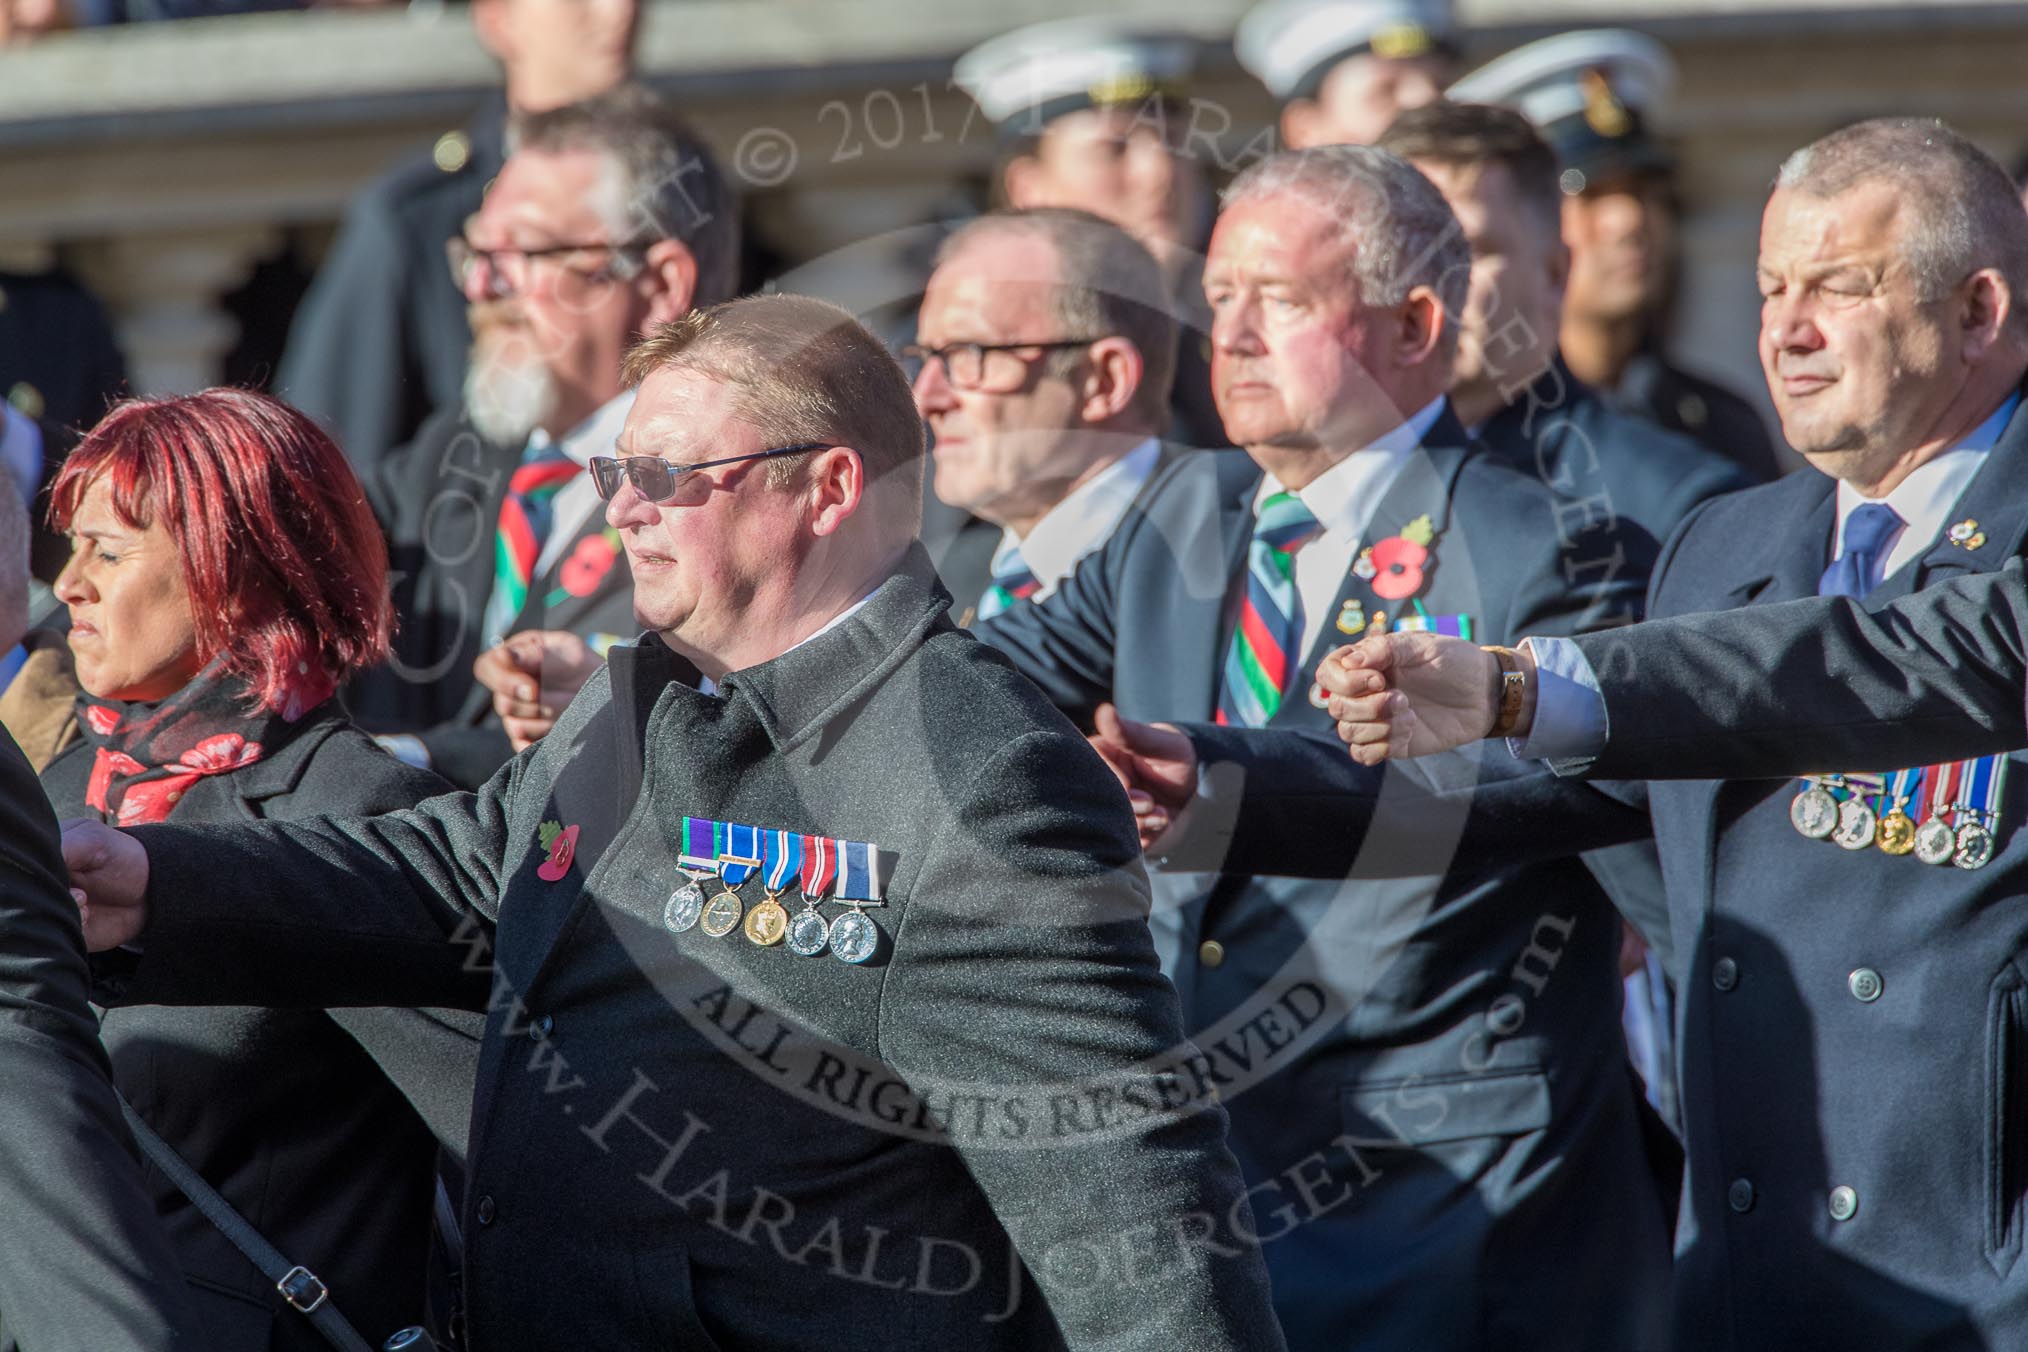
948, 1105
610, 217
1044, 354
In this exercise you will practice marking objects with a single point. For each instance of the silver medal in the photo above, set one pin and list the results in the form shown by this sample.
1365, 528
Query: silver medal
1814, 812
1935, 842
1856, 825
809, 933
854, 936
686, 903
1975, 846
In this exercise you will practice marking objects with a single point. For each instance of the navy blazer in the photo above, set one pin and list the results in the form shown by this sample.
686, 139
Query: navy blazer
1419, 1071
1819, 986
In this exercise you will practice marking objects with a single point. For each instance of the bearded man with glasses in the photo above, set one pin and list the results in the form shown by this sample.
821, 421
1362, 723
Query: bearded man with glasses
610, 218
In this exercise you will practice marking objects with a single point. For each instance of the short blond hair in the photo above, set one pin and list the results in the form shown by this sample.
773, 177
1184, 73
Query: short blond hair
804, 370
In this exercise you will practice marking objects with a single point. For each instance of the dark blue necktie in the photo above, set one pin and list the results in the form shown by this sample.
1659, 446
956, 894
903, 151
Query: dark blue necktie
1867, 532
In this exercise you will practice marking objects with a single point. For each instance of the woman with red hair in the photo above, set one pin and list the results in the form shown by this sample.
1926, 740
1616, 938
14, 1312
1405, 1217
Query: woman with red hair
226, 576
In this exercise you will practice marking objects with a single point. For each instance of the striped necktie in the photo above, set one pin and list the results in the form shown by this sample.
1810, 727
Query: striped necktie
1012, 581
1264, 642
525, 519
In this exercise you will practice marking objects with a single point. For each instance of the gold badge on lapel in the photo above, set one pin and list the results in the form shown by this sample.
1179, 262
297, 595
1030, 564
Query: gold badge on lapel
1352, 618
1967, 535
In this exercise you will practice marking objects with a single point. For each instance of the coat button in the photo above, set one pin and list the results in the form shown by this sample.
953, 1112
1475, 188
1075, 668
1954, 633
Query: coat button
541, 1028
1844, 1203
1725, 974
1740, 1195
1211, 953
486, 1210
1866, 986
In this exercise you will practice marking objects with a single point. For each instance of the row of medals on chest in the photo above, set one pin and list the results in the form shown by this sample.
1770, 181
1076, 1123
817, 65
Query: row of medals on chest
851, 937
1818, 813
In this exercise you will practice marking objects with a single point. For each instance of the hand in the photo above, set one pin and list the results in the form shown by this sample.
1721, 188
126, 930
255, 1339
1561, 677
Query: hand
534, 675
109, 879
1407, 695
1155, 763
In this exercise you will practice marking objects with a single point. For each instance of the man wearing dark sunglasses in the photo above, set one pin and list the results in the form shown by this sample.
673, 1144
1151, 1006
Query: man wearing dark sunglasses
968, 1114
609, 218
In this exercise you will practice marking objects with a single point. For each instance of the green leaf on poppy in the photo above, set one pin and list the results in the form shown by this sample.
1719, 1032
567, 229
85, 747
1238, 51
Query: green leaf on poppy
1419, 531
548, 832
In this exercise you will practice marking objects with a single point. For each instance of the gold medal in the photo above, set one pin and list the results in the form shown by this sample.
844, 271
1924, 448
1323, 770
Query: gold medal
721, 914
767, 923
1897, 833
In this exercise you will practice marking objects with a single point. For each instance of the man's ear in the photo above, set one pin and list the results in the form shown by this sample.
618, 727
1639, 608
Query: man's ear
1021, 182
1301, 119
1112, 379
837, 486
1984, 312
1420, 327
669, 272
489, 21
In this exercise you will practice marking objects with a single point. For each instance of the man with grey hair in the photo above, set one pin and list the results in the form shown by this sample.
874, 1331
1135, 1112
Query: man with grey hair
1820, 983
1045, 348
1427, 1085
610, 217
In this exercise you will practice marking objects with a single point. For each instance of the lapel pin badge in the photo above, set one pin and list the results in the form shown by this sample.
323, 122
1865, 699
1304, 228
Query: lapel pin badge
1967, 535
1352, 618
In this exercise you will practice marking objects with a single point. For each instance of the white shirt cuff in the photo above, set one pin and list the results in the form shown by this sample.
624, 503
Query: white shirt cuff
1570, 711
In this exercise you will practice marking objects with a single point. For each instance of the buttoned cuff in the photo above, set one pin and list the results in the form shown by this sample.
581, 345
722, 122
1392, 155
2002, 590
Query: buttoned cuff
1570, 712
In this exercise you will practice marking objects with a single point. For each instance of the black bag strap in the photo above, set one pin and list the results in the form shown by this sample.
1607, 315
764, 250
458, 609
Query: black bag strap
305, 1293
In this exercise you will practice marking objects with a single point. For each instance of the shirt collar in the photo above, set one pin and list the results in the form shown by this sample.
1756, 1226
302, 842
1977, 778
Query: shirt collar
1081, 522
1926, 496
1343, 498
595, 435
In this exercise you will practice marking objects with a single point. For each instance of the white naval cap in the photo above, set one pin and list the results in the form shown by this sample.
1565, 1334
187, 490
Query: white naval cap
1291, 45
1024, 78
1588, 93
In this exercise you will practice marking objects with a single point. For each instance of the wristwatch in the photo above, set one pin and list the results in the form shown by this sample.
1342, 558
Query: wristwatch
1512, 691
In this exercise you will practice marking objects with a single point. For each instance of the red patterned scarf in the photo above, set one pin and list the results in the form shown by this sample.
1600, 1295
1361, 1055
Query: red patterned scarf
148, 755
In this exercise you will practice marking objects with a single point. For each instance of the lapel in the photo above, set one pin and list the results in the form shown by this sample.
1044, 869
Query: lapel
1196, 648
1996, 500
1422, 488
596, 788
1784, 562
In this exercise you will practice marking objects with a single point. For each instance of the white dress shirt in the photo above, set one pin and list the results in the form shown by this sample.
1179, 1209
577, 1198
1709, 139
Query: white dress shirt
1083, 521
1570, 713
1343, 499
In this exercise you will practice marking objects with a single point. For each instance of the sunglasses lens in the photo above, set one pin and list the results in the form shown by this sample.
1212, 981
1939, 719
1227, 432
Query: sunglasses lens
605, 472
653, 479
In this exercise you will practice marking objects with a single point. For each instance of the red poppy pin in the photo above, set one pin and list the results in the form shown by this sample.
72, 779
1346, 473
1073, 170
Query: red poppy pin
589, 563
561, 842
1396, 567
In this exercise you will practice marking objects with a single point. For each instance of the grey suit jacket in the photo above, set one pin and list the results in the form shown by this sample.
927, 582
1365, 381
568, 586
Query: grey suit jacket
85, 1266
986, 1136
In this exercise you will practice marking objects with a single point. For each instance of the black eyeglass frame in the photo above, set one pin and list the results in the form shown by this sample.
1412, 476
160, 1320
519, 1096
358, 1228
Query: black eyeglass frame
607, 471
462, 254
916, 352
